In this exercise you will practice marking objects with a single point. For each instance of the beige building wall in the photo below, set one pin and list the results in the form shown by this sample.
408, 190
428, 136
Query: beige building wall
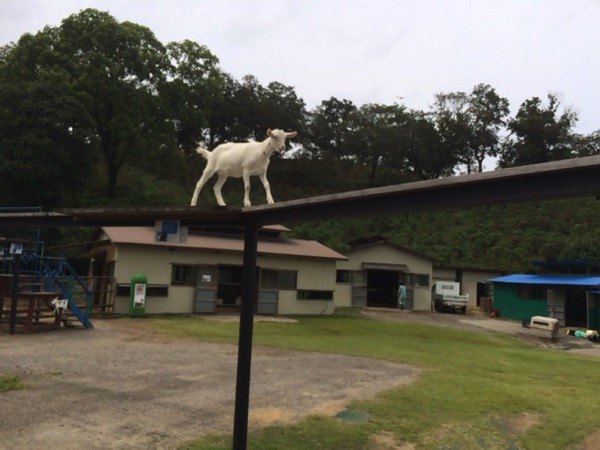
470, 280
312, 274
156, 262
386, 254
444, 274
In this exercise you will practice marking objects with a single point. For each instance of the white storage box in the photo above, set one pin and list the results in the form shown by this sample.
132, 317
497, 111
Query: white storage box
544, 327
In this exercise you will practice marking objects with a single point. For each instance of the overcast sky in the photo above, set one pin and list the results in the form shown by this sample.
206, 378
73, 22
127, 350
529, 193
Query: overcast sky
374, 51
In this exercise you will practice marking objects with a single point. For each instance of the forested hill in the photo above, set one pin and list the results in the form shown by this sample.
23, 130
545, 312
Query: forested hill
506, 237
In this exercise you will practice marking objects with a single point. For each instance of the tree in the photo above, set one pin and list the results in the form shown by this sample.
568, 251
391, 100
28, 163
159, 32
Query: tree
451, 117
583, 248
470, 124
282, 108
327, 129
587, 145
487, 112
114, 69
374, 135
422, 150
193, 90
47, 146
539, 133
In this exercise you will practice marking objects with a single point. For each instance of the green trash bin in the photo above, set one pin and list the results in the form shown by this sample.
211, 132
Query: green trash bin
137, 295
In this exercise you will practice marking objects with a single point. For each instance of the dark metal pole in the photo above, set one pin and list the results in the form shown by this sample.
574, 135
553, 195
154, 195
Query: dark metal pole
15, 293
242, 387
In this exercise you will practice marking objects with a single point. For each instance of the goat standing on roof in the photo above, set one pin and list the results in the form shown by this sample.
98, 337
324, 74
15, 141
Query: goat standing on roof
241, 160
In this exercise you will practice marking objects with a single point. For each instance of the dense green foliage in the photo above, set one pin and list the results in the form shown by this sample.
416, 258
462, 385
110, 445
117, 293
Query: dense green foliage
470, 385
97, 113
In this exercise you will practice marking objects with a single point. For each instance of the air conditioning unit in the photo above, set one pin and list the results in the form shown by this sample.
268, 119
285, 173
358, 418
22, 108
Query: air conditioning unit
169, 231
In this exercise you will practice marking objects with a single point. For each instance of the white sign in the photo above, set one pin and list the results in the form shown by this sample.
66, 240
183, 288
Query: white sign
139, 295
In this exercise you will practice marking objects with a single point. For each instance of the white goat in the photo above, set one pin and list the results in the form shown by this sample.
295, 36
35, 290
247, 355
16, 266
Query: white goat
241, 160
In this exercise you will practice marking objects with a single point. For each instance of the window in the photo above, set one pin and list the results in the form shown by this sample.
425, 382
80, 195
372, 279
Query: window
304, 294
278, 279
531, 292
183, 274
343, 276
152, 290
418, 279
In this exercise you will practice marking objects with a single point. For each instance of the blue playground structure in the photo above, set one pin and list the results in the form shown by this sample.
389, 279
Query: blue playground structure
31, 283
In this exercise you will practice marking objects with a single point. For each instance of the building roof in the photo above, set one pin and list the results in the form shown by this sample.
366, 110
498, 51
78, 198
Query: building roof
279, 246
567, 280
380, 239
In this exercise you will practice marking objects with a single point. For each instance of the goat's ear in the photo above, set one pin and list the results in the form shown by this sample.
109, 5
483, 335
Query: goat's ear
269, 132
291, 134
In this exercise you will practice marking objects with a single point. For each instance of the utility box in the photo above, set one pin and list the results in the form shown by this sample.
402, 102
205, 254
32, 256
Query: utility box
137, 295
544, 327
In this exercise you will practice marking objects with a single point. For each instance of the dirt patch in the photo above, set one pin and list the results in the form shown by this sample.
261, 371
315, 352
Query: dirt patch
386, 441
590, 442
520, 423
122, 385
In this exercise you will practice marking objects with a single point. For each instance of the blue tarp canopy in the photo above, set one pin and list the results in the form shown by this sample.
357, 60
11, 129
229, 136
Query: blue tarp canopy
568, 280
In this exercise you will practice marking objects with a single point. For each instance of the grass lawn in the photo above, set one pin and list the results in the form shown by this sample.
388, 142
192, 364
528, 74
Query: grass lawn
476, 390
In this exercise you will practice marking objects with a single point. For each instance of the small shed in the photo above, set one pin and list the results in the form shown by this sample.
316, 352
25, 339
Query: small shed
572, 299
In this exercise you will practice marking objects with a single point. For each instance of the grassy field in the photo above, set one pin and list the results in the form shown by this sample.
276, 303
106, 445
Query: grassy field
476, 390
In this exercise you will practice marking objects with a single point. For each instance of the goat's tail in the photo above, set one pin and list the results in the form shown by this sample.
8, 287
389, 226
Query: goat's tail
204, 152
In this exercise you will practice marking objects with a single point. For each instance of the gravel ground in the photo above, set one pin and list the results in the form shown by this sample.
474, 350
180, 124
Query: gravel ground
124, 386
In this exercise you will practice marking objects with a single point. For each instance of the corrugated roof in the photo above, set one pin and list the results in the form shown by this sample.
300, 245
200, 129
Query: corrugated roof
282, 246
569, 280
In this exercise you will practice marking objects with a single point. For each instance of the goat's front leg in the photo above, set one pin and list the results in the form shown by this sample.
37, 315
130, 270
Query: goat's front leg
217, 189
246, 177
267, 186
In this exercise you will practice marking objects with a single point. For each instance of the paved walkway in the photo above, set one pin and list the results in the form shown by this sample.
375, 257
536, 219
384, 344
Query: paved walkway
563, 341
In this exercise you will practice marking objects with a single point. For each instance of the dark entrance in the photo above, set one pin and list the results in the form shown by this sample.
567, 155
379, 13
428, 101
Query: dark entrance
229, 289
575, 309
381, 288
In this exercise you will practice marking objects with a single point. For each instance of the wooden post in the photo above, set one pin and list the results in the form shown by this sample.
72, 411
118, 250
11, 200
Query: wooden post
15, 294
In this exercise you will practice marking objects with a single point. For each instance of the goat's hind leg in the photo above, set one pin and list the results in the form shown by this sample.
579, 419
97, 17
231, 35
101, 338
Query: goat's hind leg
217, 189
200, 184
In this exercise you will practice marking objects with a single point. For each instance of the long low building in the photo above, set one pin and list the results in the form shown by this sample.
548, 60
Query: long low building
200, 271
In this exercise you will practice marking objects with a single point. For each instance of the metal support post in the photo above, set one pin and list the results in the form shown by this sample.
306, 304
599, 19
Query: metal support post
242, 387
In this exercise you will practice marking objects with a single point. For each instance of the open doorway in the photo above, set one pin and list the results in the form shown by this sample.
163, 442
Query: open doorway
229, 288
382, 286
575, 308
